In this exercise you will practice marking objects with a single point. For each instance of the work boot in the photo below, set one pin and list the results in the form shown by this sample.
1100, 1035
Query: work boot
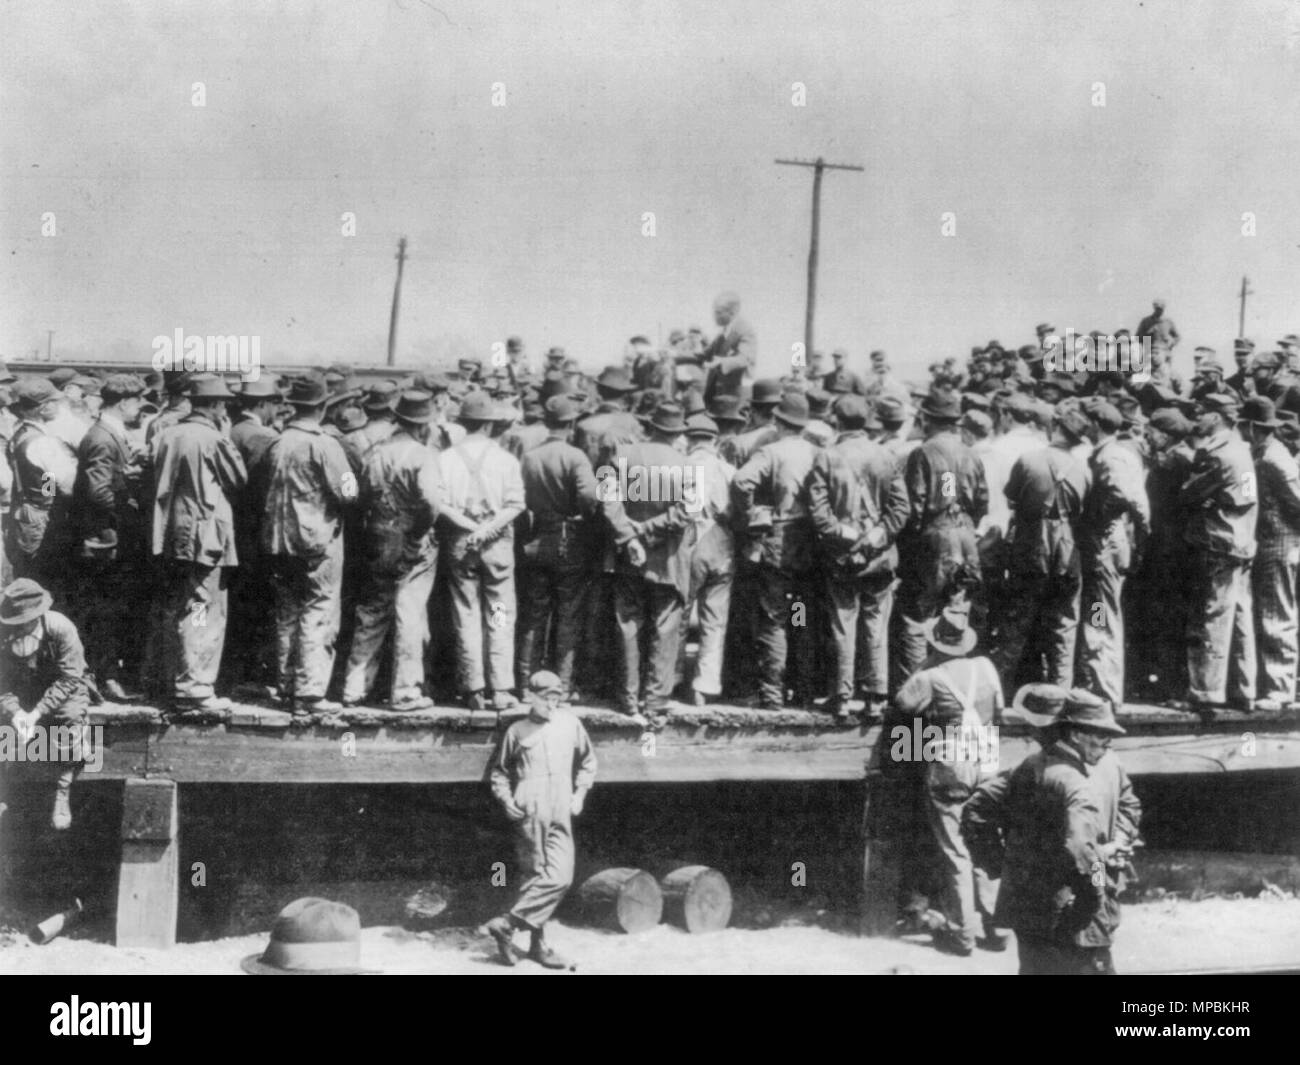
62, 819
500, 929
114, 690
475, 700
992, 940
210, 703
414, 702
545, 956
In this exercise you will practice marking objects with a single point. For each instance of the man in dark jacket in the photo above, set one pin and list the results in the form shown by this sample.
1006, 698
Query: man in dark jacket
1059, 830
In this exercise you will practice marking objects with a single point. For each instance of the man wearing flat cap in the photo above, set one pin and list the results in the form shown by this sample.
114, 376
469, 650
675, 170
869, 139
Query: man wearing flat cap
541, 774
398, 504
770, 497
842, 379
1277, 559
1243, 349
106, 505
561, 546
1221, 501
1115, 524
1059, 830
198, 478
43, 470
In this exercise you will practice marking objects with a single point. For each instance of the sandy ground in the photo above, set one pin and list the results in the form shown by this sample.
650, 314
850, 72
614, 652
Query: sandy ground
1155, 936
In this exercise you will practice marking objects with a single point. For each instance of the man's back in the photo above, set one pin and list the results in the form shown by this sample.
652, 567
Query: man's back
197, 473
309, 480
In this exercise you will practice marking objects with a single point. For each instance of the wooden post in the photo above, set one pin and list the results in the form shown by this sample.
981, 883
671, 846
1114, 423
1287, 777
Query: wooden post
879, 865
1241, 316
148, 889
397, 301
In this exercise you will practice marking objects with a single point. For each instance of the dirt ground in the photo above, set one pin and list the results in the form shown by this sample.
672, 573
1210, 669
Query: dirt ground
1155, 936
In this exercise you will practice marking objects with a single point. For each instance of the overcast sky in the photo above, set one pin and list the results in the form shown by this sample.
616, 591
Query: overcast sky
527, 218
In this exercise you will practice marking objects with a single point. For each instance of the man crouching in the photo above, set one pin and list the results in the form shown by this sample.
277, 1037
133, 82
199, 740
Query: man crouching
42, 682
540, 775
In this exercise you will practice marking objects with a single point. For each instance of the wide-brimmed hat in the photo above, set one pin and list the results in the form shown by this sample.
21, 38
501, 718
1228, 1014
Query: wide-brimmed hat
615, 379
793, 410
1260, 410
1040, 704
311, 937
256, 391
700, 424
307, 392
209, 386
668, 418
380, 396
477, 407
414, 407
728, 408
950, 633
766, 393
942, 406
24, 601
1083, 709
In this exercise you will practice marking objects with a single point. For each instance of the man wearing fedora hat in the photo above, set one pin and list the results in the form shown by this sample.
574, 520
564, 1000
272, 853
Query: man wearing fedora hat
376, 404
483, 494
734, 352
42, 679
653, 566
1277, 559
762, 429
43, 470
1060, 830
398, 504
176, 389
1221, 502
945, 482
959, 695
198, 477
858, 503
770, 497
253, 429
561, 545
541, 773
309, 484
106, 507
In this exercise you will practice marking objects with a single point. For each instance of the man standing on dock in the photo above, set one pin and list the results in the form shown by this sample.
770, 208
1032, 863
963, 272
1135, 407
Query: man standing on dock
541, 773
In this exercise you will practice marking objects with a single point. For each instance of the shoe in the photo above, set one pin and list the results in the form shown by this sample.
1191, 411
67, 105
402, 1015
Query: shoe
874, 712
992, 941
546, 957
475, 701
415, 702
500, 929
316, 706
1271, 706
948, 943
113, 689
211, 704
504, 701
62, 819
699, 699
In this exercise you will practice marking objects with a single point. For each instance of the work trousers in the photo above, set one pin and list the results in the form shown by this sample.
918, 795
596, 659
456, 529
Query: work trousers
1044, 957
483, 610
106, 617
1042, 618
649, 611
1221, 631
252, 621
193, 626
308, 608
398, 603
968, 897
928, 561
859, 612
1274, 584
544, 850
781, 630
1102, 655
711, 592
554, 600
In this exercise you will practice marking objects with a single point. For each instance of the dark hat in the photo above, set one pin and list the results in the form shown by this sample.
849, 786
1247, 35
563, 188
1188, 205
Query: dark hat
977, 422
380, 396
1172, 421
433, 383
558, 354
89, 385
1210, 365
553, 384
889, 409
767, 392
514, 344
121, 386
1259, 410
615, 379
701, 425
1106, 416
176, 382
1268, 360
34, 391
1084, 710
1043, 327
1290, 340
338, 371
693, 401
852, 411
61, 376
950, 633
819, 402
728, 408
24, 601
311, 936
1243, 344
942, 406
1221, 403
414, 407
256, 391
561, 410
469, 365
308, 392
793, 410
1040, 704
668, 418
544, 681
477, 407
975, 401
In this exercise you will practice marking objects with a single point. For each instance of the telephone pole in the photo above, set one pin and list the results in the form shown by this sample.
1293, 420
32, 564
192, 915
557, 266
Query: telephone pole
819, 164
1241, 317
397, 302
49, 345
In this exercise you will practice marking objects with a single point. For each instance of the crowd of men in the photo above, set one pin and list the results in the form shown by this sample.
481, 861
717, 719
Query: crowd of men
331, 545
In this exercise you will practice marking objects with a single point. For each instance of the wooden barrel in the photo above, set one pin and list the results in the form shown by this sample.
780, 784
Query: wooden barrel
697, 898
627, 900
